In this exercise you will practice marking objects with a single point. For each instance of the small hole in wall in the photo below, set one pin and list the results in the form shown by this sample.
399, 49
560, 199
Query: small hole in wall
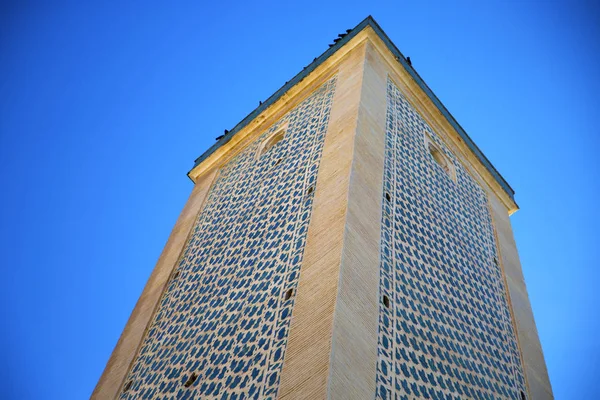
388, 197
310, 190
127, 386
190, 381
175, 275
288, 294
523, 396
386, 301
278, 162
495, 261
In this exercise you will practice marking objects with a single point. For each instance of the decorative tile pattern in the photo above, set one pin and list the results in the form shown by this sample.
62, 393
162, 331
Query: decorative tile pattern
445, 328
226, 312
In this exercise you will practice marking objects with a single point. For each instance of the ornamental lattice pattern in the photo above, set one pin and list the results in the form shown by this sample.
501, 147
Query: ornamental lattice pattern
445, 328
225, 313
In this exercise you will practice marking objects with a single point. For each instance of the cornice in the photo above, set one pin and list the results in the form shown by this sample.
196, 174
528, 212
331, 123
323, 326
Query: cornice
440, 123
298, 84
273, 109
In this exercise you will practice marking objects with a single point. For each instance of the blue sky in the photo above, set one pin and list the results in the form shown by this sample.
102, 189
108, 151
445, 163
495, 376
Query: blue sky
103, 109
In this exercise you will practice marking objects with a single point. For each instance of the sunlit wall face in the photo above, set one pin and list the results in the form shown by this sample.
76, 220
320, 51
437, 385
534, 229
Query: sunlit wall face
222, 325
445, 326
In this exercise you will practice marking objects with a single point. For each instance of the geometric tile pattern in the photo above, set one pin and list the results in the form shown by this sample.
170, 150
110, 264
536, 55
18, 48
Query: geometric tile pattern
445, 329
225, 313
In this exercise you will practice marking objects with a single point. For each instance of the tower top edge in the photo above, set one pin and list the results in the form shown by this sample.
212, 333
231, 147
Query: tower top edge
369, 21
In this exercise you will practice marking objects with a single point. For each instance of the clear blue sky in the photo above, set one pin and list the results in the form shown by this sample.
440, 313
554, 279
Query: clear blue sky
104, 108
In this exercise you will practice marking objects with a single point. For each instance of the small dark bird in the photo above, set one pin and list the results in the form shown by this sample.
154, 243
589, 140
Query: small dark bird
341, 35
408, 61
336, 40
348, 30
219, 137
259, 102
331, 45
226, 132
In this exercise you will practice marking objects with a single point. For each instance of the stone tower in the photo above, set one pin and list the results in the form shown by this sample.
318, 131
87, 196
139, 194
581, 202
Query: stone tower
346, 240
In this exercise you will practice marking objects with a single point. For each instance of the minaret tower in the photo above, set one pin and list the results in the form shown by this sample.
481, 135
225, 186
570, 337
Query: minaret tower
346, 240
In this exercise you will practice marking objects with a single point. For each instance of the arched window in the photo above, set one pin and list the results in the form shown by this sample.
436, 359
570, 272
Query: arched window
272, 141
440, 158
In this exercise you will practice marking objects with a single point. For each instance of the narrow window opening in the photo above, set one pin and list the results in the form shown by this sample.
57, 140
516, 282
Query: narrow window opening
288, 294
176, 274
272, 141
386, 301
190, 381
278, 162
523, 396
439, 158
127, 386
388, 197
495, 261
310, 190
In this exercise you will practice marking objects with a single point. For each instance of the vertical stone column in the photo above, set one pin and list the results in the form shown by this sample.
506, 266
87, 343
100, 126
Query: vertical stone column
127, 347
354, 349
529, 342
307, 355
